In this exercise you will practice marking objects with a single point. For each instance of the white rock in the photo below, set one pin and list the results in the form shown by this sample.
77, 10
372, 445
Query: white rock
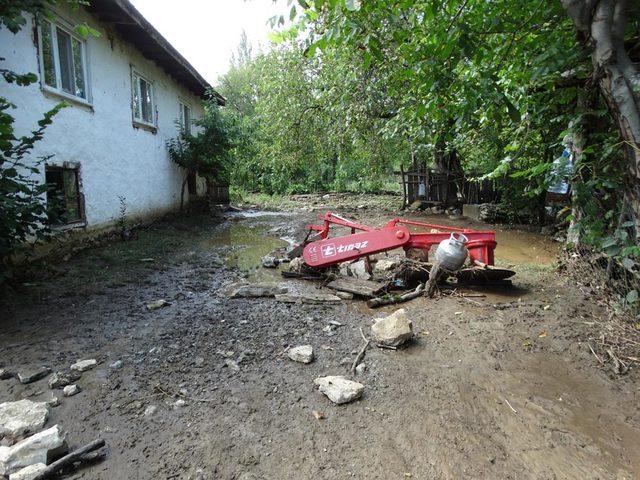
150, 410
361, 368
71, 390
38, 448
117, 365
84, 365
23, 416
385, 265
339, 389
259, 290
393, 330
180, 403
302, 354
28, 473
359, 270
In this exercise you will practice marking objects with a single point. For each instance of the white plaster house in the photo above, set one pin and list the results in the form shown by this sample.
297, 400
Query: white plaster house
126, 89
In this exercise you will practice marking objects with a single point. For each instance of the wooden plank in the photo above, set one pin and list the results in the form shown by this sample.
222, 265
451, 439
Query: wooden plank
364, 288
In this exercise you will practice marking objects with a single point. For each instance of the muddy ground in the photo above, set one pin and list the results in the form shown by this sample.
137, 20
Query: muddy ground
495, 387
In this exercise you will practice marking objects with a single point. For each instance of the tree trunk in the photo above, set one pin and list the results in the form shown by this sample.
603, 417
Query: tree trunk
601, 25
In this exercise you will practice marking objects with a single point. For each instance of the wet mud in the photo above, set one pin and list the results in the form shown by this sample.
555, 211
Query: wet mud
501, 386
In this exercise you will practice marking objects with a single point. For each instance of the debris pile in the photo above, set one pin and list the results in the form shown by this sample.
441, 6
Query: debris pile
28, 450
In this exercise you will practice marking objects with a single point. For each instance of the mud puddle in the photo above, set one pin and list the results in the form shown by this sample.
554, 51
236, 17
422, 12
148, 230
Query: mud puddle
242, 244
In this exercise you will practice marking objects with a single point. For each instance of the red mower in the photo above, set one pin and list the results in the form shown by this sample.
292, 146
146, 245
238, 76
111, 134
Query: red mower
320, 250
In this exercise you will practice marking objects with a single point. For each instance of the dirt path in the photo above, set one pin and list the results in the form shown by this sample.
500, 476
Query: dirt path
497, 387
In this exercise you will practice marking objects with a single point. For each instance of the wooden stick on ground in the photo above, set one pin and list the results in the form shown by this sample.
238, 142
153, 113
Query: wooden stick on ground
361, 353
381, 301
68, 459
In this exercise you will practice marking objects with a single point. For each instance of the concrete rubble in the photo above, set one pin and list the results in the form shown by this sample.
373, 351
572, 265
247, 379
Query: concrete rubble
84, 365
358, 270
394, 330
39, 448
33, 375
339, 389
259, 290
71, 390
62, 379
301, 354
22, 417
384, 265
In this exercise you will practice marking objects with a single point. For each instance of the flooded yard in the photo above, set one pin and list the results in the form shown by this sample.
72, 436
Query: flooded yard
501, 386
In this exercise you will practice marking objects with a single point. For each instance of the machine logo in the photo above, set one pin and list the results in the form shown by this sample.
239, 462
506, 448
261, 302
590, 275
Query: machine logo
328, 250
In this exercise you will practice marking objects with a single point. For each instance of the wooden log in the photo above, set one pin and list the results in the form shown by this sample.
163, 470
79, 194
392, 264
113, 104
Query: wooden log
434, 277
68, 459
393, 299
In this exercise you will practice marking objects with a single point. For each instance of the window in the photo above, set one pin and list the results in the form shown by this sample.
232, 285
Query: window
64, 201
63, 61
143, 103
185, 117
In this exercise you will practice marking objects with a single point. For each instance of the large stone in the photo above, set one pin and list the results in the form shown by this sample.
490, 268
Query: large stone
28, 473
302, 354
5, 374
339, 389
259, 290
385, 265
359, 270
22, 417
42, 447
62, 379
84, 365
393, 330
33, 375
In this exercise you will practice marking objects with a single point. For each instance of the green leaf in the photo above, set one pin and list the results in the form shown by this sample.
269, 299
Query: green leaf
632, 296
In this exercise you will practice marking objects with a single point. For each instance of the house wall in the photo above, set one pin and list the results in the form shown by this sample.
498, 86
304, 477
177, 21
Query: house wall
115, 158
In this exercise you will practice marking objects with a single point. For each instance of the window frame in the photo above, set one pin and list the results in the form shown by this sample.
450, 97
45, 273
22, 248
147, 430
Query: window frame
57, 90
182, 105
81, 219
136, 76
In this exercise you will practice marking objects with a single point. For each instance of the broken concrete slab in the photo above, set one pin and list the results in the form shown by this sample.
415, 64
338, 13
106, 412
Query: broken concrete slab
42, 447
71, 390
259, 290
22, 417
62, 379
301, 354
33, 375
363, 288
339, 389
393, 330
84, 365
28, 473
308, 298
